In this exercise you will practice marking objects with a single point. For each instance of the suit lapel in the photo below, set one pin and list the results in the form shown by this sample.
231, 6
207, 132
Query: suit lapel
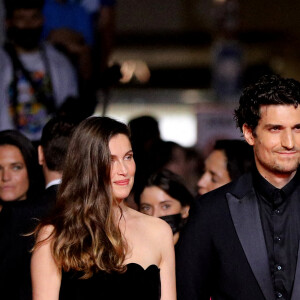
296, 286
247, 223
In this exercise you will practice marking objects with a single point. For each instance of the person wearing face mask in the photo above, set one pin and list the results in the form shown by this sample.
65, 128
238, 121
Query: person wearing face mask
20, 188
166, 197
35, 78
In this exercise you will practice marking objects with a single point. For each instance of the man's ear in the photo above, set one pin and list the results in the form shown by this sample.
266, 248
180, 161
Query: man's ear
41, 155
248, 134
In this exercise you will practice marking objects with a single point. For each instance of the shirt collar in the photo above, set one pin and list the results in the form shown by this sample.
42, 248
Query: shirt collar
53, 182
268, 191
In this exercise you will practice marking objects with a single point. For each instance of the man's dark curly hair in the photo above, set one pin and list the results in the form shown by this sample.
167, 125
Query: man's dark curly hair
268, 90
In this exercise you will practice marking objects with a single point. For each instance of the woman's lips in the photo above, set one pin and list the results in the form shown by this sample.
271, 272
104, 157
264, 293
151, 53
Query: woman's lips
122, 182
6, 187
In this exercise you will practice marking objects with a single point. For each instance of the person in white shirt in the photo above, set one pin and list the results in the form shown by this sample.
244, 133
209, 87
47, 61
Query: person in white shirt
52, 150
35, 79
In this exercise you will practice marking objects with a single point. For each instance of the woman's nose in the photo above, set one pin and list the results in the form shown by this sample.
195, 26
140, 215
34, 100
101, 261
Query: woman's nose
5, 175
156, 213
122, 169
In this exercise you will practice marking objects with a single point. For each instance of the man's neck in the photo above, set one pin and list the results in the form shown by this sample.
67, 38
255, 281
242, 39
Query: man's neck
52, 175
278, 180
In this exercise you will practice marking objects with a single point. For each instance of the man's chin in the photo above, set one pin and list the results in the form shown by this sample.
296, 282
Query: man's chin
288, 170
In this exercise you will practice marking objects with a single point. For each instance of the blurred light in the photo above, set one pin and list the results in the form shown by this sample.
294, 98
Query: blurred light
135, 69
127, 70
177, 123
179, 128
142, 72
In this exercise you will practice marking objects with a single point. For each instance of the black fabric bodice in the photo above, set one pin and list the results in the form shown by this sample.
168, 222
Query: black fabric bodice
135, 284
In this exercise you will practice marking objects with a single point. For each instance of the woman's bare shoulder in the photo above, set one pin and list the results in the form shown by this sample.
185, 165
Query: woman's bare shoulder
45, 233
151, 225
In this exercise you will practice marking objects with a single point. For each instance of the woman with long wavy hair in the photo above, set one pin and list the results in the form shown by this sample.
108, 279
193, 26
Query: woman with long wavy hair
94, 246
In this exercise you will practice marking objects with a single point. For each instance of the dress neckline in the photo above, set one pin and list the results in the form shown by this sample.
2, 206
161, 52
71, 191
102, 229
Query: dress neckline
144, 269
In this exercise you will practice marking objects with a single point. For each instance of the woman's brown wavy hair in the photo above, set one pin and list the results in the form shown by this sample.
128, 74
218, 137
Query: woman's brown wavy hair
86, 235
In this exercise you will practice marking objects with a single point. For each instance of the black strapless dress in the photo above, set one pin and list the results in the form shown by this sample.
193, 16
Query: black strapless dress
135, 284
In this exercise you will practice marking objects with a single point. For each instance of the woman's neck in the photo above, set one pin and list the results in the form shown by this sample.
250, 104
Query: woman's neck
119, 210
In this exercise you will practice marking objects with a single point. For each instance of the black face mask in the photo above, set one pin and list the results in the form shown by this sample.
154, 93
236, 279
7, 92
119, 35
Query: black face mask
175, 221
26, 38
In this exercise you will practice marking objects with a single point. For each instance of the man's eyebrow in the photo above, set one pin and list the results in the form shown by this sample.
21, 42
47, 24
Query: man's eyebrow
270, 125
279, 125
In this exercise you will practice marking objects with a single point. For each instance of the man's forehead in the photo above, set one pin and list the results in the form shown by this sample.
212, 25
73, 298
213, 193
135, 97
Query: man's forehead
279, 113
270, 108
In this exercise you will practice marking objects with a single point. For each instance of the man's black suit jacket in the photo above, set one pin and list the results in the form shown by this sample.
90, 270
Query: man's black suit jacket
48, 200
50, 194
222, 252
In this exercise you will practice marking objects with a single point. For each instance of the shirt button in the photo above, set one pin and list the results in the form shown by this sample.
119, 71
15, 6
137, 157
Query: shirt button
278, 295
277, 238
277, 211
278, 268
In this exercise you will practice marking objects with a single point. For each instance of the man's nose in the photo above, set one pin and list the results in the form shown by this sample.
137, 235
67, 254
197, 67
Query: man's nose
287, 139
202, 182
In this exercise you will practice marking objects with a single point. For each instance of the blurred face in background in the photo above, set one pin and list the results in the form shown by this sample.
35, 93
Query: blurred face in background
25, 28
27, 18
178, 162
215, 172
14, 181
157, 203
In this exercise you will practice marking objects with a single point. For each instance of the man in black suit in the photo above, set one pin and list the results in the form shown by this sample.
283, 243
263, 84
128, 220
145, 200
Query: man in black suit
242, 240
52, 150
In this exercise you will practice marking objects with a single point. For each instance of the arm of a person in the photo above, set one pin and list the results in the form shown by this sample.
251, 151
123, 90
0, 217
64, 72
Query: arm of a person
105, 31
45, 274
167, 264
6, 75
